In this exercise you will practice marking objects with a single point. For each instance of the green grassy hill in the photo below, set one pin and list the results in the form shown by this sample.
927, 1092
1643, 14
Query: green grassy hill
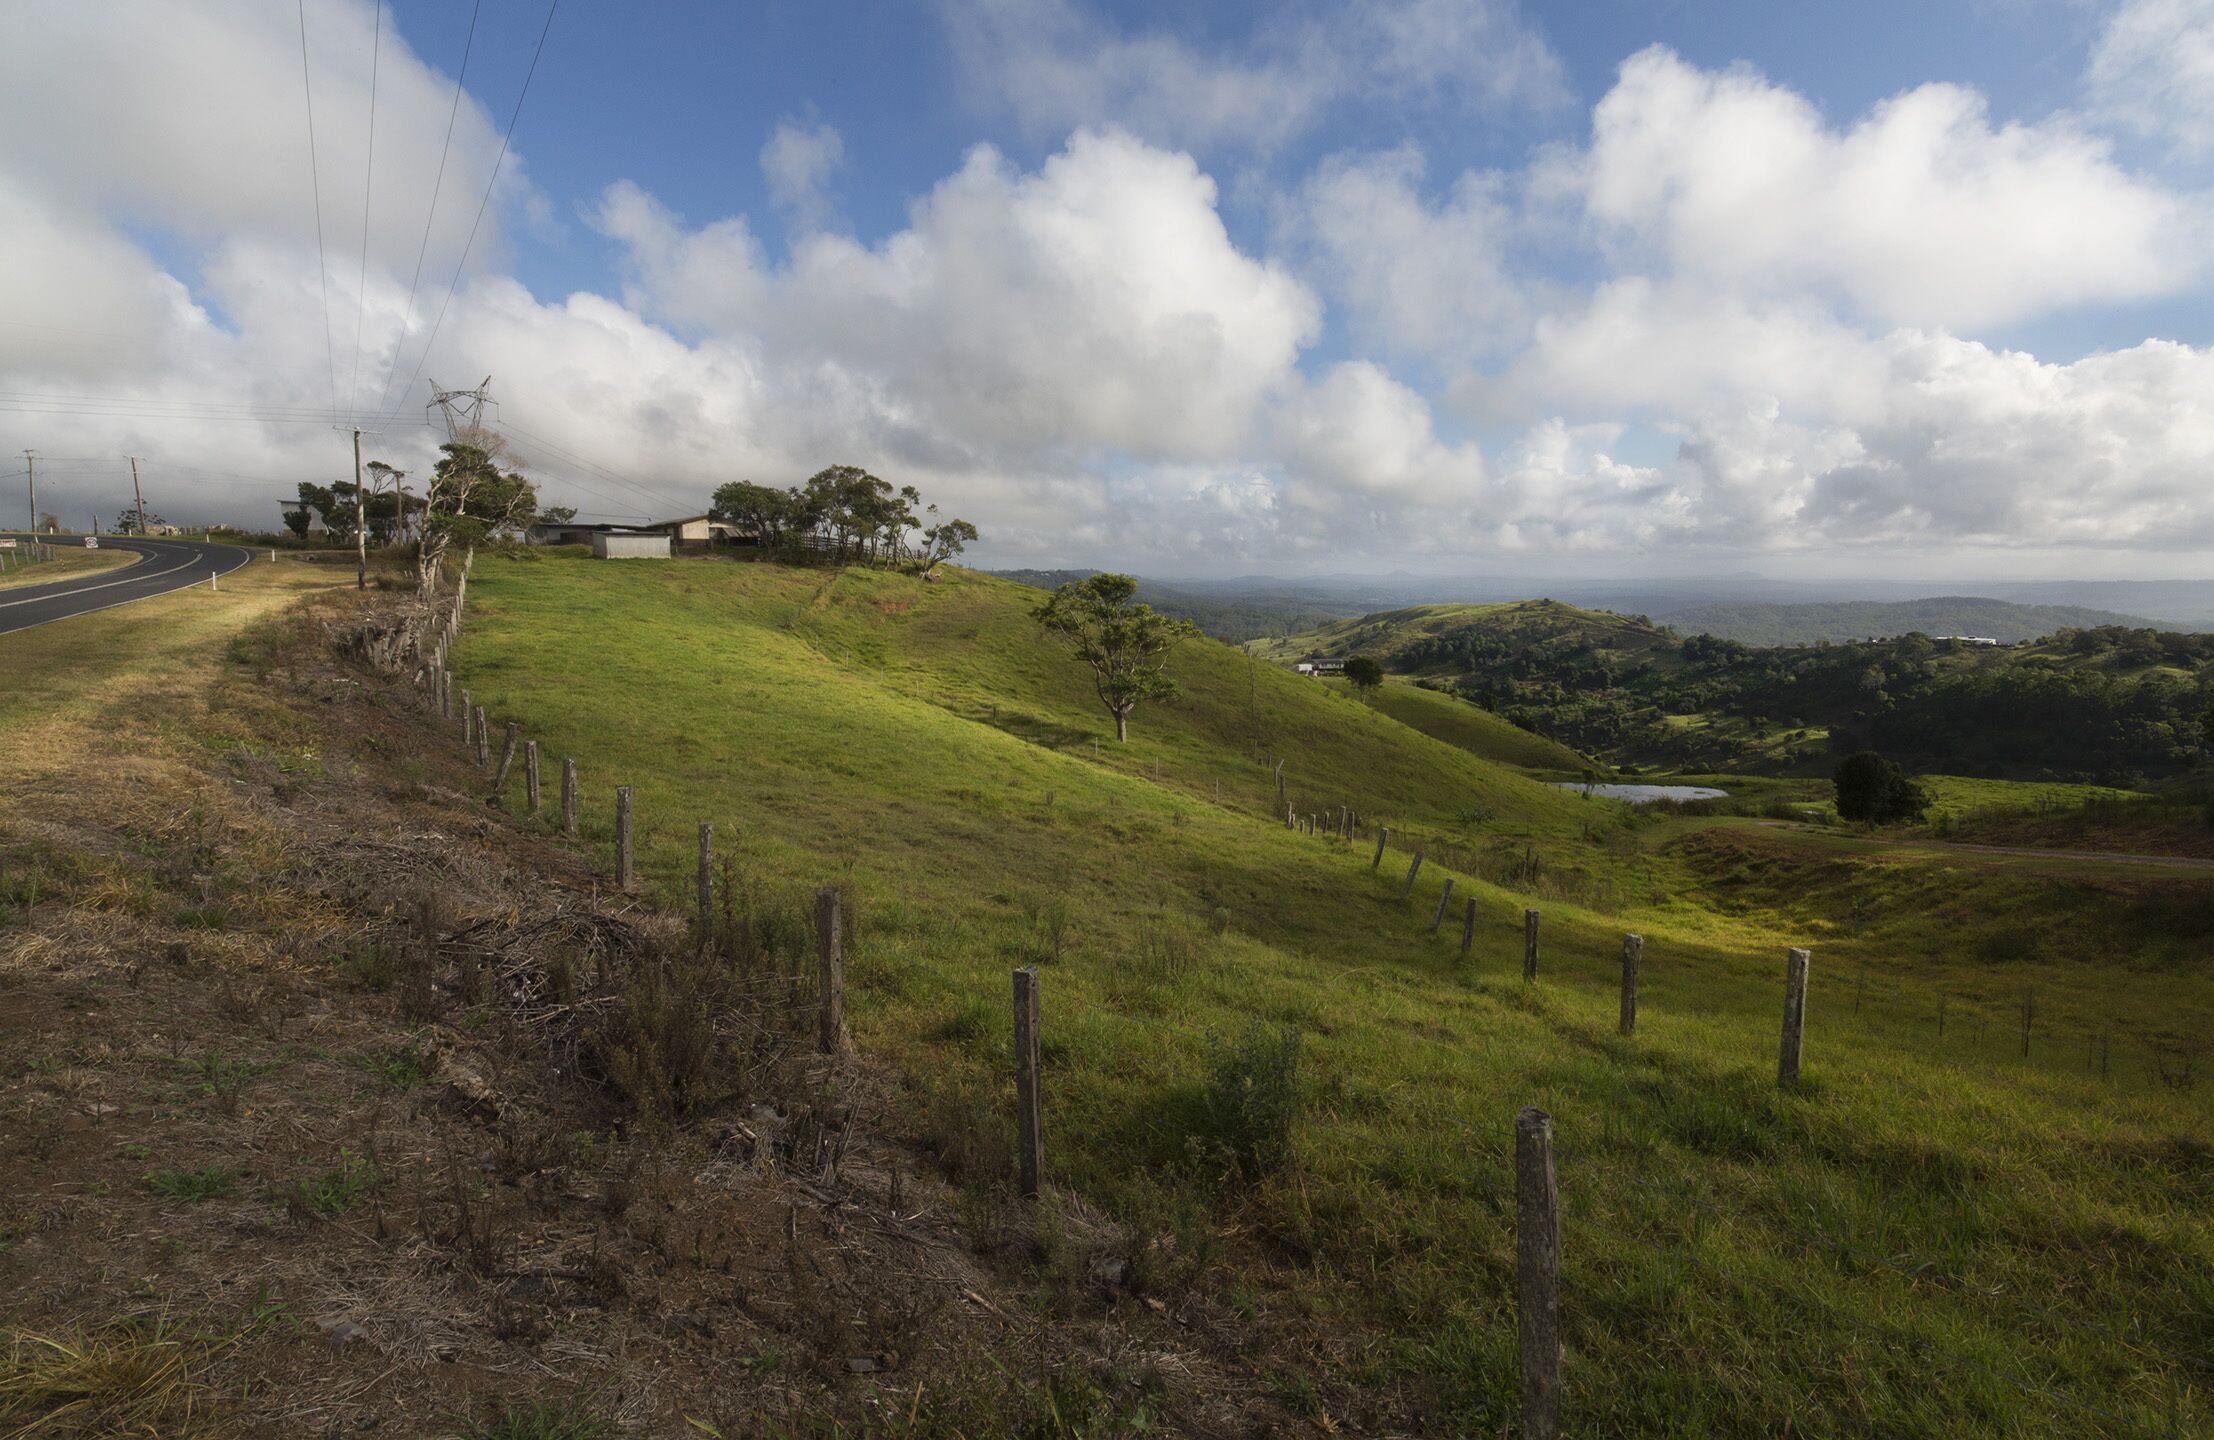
1928, 1238
1478, 731
2109, 705
1400, 638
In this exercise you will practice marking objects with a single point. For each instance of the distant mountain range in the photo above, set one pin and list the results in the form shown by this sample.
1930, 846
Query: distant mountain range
1754, 623
1751, 609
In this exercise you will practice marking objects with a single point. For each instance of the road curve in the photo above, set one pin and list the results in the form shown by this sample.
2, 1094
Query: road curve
165, 565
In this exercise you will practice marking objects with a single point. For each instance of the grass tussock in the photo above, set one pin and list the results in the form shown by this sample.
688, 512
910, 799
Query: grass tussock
142, 1378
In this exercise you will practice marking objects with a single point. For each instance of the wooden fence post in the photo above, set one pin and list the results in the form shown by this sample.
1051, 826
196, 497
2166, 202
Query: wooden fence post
1468, 928
1940, 1017
530, 774
830, 960
1291, 821
1029, 1101
1445, 898
1795, 1018
625, 861
484, 740
2029, 1013
569, 796
1529, 945
468, 713
1413, 866
707, 880
1382, 834
1633, 950
1537, 1292
507, 759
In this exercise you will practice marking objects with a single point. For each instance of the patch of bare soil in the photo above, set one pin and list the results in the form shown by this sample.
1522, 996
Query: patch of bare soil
333, 1101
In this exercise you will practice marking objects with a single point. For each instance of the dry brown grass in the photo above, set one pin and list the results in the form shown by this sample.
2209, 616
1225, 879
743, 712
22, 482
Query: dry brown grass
143, 1378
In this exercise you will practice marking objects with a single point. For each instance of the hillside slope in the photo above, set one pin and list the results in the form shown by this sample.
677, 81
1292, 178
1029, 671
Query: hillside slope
2110, 705
930, 749
1474, 729
1422, 639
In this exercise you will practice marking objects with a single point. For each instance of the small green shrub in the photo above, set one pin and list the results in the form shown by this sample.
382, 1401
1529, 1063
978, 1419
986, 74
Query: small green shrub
570, 1417
402, 1069
1252, 1099
209, 1182
332, 1193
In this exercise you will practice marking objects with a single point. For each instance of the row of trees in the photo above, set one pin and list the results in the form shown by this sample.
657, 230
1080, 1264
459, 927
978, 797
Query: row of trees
470, 499
847, 512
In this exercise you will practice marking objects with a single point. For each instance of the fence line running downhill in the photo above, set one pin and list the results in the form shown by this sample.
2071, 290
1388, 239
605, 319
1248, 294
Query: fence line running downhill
1536, 1154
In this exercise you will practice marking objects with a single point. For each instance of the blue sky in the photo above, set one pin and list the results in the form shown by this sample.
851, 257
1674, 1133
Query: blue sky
1414, 282
679, 96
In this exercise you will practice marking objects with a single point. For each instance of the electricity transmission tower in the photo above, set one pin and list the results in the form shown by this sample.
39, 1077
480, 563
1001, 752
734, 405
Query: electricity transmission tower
463, 410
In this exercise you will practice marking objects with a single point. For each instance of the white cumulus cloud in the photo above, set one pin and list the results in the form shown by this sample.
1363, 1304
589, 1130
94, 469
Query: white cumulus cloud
1923, 211
2153, 71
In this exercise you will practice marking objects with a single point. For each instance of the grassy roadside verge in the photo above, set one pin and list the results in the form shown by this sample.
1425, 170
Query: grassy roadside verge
283, 1156
68, 564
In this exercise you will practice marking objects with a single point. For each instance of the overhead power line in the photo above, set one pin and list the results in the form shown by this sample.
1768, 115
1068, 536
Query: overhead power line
368, 187
315, 175
453, 112
483, 204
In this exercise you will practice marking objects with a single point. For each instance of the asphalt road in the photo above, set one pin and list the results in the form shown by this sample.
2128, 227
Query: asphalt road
165, 565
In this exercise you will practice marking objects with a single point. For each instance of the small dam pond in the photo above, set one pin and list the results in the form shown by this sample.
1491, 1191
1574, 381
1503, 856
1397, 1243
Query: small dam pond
1643, 794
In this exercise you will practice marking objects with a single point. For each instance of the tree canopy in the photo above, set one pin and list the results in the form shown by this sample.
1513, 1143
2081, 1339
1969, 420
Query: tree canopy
470, 500
1876, 790
1365, 673
845, 511
1126, 644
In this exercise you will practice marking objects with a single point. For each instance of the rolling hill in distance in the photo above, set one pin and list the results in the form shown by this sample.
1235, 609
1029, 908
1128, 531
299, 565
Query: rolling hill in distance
1757, 623
1747, 608
2115, 705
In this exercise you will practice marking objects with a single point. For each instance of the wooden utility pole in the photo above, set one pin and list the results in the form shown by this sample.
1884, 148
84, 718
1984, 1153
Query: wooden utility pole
361, 523
138, 495
30, 468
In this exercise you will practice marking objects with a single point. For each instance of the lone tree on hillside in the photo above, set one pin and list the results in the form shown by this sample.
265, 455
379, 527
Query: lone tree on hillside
1365, 673
1125, 643
1876, 790
944, 540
